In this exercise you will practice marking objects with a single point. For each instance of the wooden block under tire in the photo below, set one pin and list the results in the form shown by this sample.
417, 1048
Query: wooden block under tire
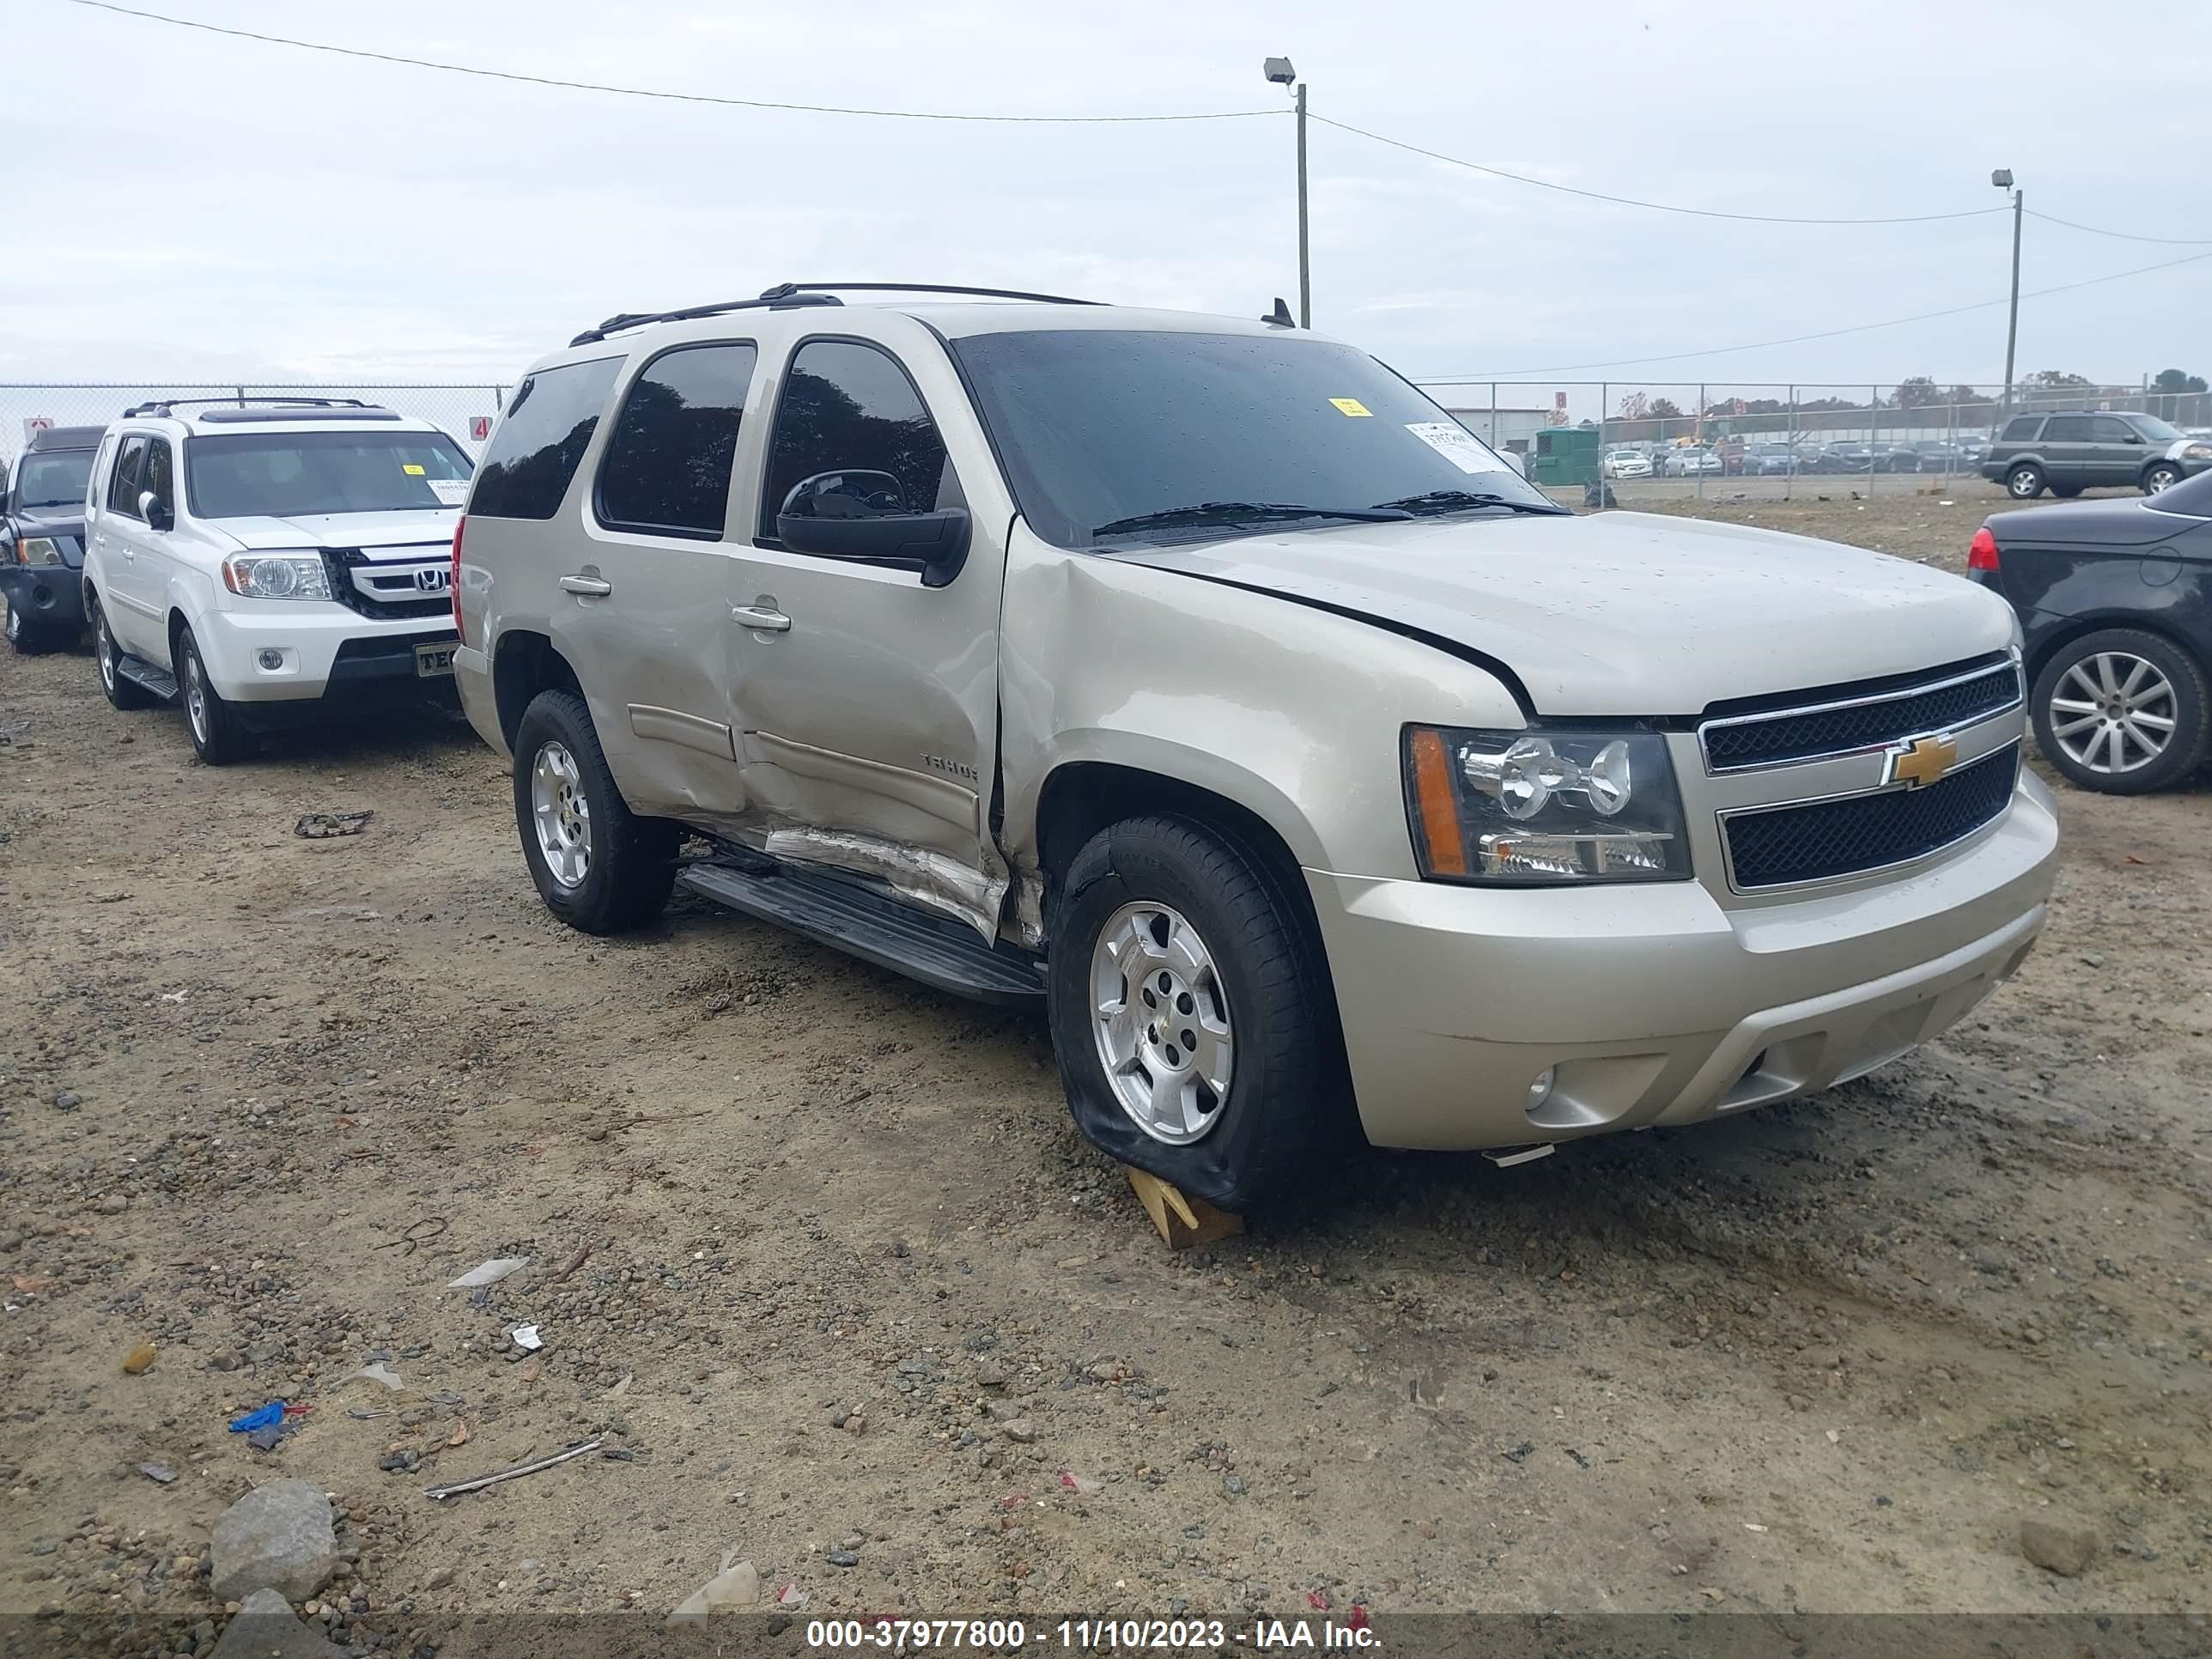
1183, 1220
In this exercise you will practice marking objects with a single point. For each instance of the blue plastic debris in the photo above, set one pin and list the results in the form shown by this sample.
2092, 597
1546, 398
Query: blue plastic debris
271, 1412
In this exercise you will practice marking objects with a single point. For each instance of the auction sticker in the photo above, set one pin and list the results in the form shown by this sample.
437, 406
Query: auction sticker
1351, 406
1455, 444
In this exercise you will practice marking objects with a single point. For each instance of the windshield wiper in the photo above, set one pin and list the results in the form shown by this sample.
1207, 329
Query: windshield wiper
1236, 512
1458, 500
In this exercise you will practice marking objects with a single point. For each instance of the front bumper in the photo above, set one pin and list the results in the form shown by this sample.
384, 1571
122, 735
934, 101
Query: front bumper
52, 595
318, 649
1653, 1004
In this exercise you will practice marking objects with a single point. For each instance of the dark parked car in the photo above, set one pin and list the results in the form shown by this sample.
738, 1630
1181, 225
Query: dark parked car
1937, 455
42, 538
2115, 599
2070, 453
1769, 460
1847, 458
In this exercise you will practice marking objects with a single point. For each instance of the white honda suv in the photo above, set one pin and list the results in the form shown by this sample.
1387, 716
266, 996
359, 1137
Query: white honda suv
258, 561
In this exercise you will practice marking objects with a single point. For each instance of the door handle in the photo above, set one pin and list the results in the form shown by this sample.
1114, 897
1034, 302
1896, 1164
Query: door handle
765, 618
590, 587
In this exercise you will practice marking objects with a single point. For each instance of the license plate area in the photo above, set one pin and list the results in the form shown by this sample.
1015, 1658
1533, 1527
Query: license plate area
434, 661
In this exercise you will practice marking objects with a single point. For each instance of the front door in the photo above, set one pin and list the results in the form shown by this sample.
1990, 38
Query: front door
2119, 449
867, 702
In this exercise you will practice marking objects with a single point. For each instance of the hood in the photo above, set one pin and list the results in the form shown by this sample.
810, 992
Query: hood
2113, 523
412, 526
1629, 614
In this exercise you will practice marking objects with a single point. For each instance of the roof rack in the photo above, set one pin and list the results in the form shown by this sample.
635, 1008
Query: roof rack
788, 295
163, 405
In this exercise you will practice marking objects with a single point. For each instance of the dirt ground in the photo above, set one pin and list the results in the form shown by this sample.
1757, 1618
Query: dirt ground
819, 1253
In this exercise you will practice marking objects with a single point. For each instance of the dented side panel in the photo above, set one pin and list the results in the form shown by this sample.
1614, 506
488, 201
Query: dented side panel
1293, 713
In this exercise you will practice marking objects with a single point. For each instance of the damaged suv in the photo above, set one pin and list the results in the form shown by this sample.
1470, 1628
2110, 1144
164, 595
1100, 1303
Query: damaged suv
1204, 682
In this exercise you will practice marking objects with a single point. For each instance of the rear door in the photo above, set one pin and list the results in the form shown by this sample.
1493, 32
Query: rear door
865, 701
2069, 457
656, 642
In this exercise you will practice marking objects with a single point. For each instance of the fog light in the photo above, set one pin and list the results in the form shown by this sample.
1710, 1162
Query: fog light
270, 660
1541, 1089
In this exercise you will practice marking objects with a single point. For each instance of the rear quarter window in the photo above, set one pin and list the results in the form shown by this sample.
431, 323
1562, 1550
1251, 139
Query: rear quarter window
534, 456
2020, 428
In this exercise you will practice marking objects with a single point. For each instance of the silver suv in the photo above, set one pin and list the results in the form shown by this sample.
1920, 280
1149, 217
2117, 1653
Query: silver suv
1204, 682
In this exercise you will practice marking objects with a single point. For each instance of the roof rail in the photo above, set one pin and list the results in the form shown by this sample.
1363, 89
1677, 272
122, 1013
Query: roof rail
163, 405
787, 295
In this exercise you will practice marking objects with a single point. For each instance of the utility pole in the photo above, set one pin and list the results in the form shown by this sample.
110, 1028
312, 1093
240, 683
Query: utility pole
1279, 70
2003, 180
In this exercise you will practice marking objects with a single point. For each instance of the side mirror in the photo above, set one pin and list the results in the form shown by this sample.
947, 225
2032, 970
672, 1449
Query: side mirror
864, 515
155, 511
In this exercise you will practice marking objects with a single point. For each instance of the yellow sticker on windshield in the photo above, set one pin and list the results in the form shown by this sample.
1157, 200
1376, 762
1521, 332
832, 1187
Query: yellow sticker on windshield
1351, 406
411, 470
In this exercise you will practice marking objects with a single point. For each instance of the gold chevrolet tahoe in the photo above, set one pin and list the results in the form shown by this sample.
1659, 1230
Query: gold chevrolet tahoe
1203, 682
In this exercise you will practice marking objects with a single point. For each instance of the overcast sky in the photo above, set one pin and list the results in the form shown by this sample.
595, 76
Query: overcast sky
185, 206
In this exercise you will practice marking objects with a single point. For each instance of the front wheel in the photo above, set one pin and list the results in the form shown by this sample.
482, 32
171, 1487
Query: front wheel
122, 691
1193, 1017
2122, 712
2025, 482
597, 866
2161, 477
219, 738
29, 636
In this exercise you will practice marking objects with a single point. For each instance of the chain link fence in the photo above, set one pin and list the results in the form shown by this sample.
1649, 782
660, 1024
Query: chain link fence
1612, 442
454, 410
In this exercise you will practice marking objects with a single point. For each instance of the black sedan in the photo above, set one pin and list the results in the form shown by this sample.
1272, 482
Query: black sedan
2115, 600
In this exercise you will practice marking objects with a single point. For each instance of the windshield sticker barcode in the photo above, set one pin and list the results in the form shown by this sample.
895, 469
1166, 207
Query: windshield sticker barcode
1454, 443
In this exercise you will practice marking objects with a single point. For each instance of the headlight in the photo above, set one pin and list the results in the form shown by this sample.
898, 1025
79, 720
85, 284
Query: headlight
278, 576
38, 549
2197, 452
1544, 808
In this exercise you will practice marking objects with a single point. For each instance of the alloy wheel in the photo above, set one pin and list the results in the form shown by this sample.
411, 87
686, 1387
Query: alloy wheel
1161, 1016
196, 694
561, 814
2112, 713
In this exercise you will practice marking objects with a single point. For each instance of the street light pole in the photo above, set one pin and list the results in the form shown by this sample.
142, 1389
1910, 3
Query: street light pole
1279, 70
2003, 180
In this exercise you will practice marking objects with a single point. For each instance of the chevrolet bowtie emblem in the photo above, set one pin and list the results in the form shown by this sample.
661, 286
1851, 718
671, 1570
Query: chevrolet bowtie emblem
1921, 760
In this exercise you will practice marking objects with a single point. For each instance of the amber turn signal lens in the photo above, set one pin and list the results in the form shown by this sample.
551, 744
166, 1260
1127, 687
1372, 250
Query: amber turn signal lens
1432, 789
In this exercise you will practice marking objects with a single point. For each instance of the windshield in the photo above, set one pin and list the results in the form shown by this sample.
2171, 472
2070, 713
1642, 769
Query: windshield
285, 475
1101, 430
54, 478
2151, 427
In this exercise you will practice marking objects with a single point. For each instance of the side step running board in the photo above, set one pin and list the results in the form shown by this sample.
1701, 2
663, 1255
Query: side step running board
865, 923
159, 681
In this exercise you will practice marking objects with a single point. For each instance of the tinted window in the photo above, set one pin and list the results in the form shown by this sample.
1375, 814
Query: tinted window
2158, 431
2107, 429
533, 454
847, 407
160, 475
2069, 429
2020, 428
237, 475
53, 478
668, 458
1101, 427
123, 488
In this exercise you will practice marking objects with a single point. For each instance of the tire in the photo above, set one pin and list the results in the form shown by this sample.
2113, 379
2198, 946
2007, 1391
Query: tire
2025, 482
2066, 492
2160, 475
2075, 694
125, 693
617, 868
219, 738
1182, 894
29, 636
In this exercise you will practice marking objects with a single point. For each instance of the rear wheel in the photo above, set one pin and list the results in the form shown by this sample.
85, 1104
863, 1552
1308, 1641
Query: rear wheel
2066, 492
1193, 1015
2122, 711
2025, 482
2160, 475
219, 737
123, 692
597, 866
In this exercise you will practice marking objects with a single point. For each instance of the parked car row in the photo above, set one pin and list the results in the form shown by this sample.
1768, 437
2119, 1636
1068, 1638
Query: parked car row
1769, 457
1246, 747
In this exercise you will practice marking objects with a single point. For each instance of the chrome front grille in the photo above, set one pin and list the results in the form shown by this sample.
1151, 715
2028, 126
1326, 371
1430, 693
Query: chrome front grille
1860, 780
1850, 723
